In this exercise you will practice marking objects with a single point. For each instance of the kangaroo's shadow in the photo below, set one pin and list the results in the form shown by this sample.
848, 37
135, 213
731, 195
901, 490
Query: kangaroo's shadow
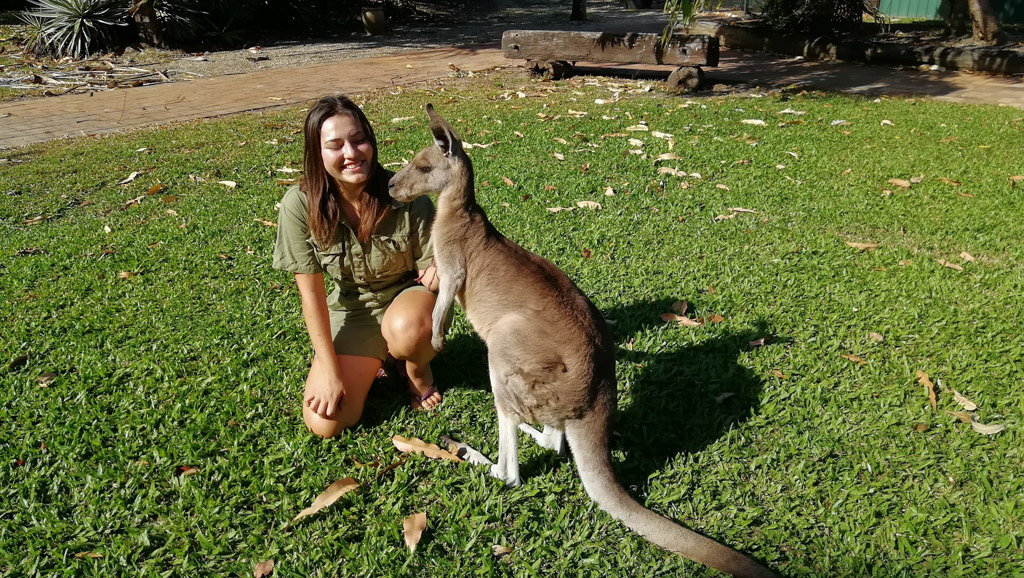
676, 399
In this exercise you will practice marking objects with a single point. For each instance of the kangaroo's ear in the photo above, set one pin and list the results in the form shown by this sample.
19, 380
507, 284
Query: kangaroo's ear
444, 135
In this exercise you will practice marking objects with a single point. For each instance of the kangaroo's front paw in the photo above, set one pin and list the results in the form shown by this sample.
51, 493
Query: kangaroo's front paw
499, 473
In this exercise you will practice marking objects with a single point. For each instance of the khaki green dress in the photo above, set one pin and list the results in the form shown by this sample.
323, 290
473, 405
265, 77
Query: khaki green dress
367, 276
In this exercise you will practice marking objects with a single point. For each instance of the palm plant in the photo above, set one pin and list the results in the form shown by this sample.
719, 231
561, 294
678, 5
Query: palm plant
72, 27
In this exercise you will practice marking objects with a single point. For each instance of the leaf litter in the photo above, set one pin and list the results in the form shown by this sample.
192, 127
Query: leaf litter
326, 498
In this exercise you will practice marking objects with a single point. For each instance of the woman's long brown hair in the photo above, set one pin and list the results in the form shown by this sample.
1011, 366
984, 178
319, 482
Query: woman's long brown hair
322, 193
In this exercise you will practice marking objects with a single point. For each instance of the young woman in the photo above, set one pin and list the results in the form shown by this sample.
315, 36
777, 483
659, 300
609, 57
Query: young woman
340, 221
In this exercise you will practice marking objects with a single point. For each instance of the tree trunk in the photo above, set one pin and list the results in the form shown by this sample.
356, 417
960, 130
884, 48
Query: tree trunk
145, 18
579, 11
987, 29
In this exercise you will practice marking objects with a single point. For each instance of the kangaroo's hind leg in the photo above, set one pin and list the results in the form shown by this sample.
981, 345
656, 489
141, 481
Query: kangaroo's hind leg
507, 467
552, 438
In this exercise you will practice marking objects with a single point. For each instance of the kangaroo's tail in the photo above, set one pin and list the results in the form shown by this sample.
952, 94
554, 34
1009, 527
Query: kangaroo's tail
588, 439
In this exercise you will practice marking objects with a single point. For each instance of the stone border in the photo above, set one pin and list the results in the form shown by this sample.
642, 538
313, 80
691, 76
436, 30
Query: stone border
978, 59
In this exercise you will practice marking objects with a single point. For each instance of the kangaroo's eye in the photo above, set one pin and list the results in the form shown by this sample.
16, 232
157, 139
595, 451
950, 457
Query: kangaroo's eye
423, 170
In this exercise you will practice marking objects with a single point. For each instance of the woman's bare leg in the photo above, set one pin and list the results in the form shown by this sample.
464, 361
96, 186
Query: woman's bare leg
357, 373
407, 328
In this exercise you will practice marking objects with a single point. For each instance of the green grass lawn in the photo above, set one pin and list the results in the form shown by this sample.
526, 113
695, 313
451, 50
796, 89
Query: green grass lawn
175, 345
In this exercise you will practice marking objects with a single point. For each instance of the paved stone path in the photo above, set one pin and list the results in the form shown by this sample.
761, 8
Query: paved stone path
41, 119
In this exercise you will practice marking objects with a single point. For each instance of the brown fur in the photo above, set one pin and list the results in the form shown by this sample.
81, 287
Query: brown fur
551, 355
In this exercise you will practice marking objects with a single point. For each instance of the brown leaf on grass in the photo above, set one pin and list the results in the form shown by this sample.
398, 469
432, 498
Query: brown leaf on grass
45, 379
901, 183
920, 427
18, 362
498, 550
778, 374
712, 319
587, 253
326, 498
263, 569
88, 555
187, 470
418, 446
963, 401
413, 527
228, 184
854, 359
863, 246
948, 264
155, 189
126, 274
266, 223
967, 257
721, 186
668, 157
168, 199
724, 217
963, 416
679, 307
950, 182
679, 320
986, 429
758, 342
589, 205
508, 181
876, 337
558, 156
1016, 179
924, 380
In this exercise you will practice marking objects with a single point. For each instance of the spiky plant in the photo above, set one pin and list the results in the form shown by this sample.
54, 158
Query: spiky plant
72, 27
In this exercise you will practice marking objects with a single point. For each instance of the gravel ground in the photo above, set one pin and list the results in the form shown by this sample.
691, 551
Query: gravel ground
483, 24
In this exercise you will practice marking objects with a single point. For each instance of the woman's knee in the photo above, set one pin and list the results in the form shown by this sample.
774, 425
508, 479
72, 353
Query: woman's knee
329, 427
406, 333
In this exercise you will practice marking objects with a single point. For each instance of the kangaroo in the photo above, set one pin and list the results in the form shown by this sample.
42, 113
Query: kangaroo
551, 354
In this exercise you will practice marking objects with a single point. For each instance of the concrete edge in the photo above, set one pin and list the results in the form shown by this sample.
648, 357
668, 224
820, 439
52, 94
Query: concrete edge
977, 59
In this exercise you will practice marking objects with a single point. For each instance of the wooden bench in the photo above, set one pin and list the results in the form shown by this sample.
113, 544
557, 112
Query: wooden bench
549, 52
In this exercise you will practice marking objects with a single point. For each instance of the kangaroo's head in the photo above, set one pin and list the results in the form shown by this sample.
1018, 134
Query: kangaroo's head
435, 168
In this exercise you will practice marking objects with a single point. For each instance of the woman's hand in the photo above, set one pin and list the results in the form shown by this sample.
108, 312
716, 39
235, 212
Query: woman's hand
428, 278
325, 397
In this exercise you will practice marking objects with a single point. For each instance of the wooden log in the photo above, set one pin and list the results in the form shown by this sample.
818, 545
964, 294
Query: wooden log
625, 48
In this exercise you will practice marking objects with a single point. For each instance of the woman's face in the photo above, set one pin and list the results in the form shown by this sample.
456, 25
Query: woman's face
346, 151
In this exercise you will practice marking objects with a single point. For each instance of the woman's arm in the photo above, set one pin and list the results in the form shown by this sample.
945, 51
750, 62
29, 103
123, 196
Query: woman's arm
322, 398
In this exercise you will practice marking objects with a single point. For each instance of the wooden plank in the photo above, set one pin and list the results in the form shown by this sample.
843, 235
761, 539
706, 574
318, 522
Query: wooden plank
625, 48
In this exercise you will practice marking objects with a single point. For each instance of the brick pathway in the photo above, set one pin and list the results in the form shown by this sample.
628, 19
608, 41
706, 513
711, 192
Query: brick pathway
41, 119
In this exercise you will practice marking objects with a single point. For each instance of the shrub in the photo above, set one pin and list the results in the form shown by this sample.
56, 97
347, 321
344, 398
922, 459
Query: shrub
72, 27
816, 16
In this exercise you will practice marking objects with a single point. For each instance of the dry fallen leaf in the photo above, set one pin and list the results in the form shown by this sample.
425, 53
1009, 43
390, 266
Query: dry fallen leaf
967, 257
903, 184
920, 427
863, 246
778, 374
267, 223
413, 527
88, 555
758, 342
679, 320
963, 401
924, 380
589, 205
963, 416
327, 497
948, 264
45, 379
500, 551
263, 569
679, 307
854, 359
129, 178
228, 184
754, 121
508, 181
558, 156
1015, 179
418, 446
876, 337
987, 429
